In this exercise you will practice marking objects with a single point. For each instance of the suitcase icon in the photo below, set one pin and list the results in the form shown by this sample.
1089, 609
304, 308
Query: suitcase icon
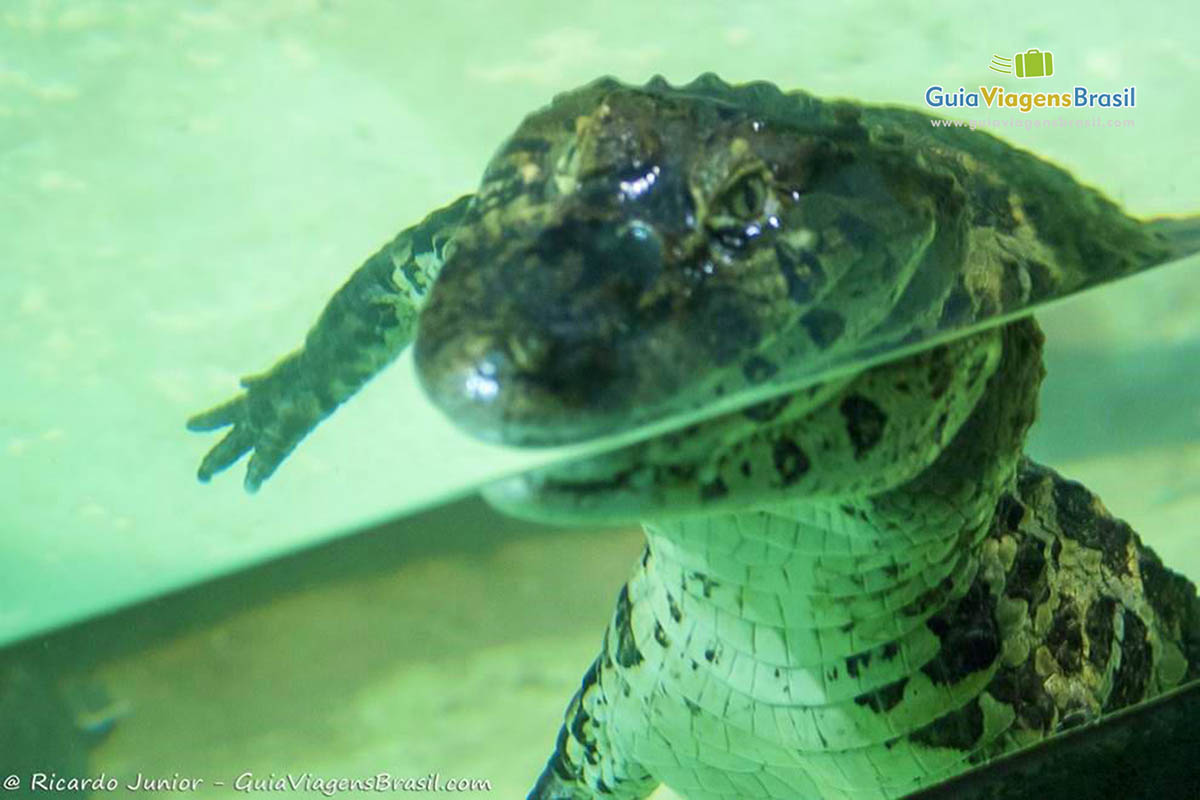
1033, 63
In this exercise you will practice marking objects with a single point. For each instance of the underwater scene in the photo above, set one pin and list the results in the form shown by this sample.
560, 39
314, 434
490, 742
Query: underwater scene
589, 271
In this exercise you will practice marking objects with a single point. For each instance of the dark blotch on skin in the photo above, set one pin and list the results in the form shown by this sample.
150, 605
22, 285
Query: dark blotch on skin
991, 206
854, 227
941, 371
1009, 512
766, 410
883, 699
854, 662
969, 636
732, 328
801, 270
864, 423
757, 369
1076, 514
1099, 629
928, 599
1027, 578
706, 583
682, 472
713, 489
628, 654
579, 730
1024, 690
790, 461
824, 327
676, 614
560, 763
1065, 637
975, 371
1129, 684
958, 730
660, 636
957, 308
1042, 280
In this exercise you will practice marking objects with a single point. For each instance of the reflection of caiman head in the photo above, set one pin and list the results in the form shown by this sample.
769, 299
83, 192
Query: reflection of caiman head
633, 252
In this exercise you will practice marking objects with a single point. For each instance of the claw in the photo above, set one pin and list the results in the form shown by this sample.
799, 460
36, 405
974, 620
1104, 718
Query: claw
260, 468
236, 444
226, 413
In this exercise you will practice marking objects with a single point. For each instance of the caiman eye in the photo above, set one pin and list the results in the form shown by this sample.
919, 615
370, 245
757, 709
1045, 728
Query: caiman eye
745, 198
738, 210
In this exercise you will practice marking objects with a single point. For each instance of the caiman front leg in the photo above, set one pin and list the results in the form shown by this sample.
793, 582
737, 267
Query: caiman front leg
367, 323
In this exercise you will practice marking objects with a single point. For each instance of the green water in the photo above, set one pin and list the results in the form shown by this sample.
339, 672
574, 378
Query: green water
182, 185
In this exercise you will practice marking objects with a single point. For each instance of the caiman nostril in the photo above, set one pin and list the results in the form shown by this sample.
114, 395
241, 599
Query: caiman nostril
638, 249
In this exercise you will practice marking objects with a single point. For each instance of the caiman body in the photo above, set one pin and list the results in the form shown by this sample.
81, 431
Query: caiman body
854, 584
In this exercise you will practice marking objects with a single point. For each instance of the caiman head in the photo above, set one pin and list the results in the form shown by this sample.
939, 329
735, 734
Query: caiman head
637, 252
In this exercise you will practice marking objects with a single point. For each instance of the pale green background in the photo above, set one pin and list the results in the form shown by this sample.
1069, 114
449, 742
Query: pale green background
182, 184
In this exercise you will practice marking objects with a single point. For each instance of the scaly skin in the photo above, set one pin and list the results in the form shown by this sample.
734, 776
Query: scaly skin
855, 587
864, 646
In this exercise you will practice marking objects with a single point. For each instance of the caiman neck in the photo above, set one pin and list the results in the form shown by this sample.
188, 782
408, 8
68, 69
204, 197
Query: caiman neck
829, 582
